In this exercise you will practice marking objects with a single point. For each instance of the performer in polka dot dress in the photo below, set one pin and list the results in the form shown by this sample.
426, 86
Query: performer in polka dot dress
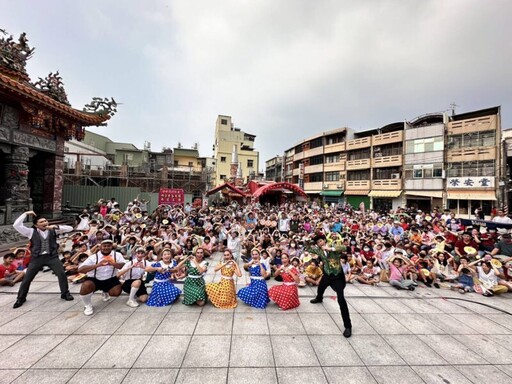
286, 295
256, 294
223, 293
194, 288
163, 292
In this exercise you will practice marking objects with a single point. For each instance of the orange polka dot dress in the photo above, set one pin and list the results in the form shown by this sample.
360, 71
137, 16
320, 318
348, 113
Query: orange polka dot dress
286, 295
223, 293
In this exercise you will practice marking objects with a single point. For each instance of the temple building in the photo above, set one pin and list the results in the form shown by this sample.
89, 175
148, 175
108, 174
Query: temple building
36, 119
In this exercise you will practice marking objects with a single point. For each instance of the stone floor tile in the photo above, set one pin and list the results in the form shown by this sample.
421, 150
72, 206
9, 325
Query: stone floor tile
422, 306
273, 308
27, 323
334, 351
484, 374
202, 376
395, 306
252, 375
413, 350
385, 324
364, 306
208, 351
505, 368
374, 350
348, 375
447, 306
418, 324
178, 323
450, 349
359, 325
64, 324
178, 305
72, 352
293, 351
449, 324
306, 307
99, 376
251, 351
319, 324
479, 308
310, 375
7, 376
163, 351
28, 350
501, 318
45, 376
482, 324
119, 351
395, 375
103, 323
486, 348
440, 374
151, 376
141, 324
281, 324
7, 340
214, 324
250, 324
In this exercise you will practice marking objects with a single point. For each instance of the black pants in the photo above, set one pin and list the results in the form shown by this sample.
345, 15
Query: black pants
337, 283
36, 263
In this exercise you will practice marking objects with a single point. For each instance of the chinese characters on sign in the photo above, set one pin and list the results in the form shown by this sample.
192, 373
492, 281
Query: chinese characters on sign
171, 196
470, 182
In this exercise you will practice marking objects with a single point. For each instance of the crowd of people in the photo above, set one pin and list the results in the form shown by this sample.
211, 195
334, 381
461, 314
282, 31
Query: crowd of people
113, 249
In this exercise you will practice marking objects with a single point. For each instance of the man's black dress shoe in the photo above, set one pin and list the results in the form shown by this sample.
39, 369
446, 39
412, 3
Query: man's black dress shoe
347, 332
67, 296
315, 301
19, 303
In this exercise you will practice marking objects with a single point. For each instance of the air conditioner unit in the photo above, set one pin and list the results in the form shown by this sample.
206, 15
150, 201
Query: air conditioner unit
395, 175
339, 186
326, 186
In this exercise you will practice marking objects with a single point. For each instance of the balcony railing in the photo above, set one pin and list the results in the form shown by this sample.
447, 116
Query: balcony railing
387, 184
485, 123
388, 138
358, 164
358, 184
387, 161
471, 154
338, 147
364, 142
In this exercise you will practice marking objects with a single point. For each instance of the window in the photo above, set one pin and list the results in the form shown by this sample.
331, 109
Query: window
358, 175
418, 174
472, 169
332, 158
223, 159
332, 176
315, 160
424, 171
316, 142
224, 121
359, 154
473, 139
176, 164
314, 177
385, 173
190, 164
222, 177
250, 163
425, 145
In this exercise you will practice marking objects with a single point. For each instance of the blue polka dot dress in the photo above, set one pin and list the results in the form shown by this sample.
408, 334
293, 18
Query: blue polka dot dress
256, 294
164, 292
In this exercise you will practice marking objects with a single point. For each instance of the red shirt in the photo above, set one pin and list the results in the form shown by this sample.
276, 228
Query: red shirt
460, 245
11, 268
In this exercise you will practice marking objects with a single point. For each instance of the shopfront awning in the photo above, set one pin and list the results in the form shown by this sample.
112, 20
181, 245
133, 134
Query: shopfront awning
357, 193
436, 194
380, 193
472, 195
333, 193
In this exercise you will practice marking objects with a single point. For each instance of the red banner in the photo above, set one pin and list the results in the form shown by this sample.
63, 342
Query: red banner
171, 196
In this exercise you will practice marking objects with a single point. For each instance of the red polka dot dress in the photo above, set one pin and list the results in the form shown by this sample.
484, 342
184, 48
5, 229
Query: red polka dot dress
286, 295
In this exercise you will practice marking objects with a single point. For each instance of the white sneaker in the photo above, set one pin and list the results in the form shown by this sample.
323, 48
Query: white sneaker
88, 311
132, 303
105, 296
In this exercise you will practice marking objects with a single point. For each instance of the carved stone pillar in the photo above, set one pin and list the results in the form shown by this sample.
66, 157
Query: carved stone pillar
16, 174
53, 183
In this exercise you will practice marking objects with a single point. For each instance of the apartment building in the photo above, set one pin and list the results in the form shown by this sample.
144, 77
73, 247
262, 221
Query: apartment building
274, 169
475, 165
227, 137
435, 160
424, 171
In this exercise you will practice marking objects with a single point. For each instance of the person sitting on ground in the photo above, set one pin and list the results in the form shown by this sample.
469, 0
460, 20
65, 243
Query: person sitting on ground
369, 274
399, 266
466, 277
134, 285
8, 273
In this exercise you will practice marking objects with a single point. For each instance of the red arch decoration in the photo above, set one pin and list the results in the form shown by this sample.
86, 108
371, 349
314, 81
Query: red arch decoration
270, 187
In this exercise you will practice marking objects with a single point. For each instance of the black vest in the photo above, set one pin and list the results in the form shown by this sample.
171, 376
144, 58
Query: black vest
35, 243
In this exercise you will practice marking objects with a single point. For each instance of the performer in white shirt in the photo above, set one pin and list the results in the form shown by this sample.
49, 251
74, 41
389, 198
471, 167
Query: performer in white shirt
101, 269
133, 285
44, 252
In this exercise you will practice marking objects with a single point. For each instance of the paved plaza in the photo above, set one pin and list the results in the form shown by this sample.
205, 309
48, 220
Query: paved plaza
423, 336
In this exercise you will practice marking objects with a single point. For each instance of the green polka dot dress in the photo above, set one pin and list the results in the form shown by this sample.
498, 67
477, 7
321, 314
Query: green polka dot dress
194, 288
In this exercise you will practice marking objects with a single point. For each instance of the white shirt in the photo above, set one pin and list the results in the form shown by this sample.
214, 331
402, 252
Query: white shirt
28, 232
502, 220
135, 272
105, 272
235, 245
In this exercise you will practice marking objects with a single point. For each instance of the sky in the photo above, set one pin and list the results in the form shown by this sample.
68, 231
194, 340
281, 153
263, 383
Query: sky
284, 70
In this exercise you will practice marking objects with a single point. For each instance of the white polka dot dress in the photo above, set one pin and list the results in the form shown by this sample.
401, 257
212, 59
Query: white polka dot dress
164, 292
